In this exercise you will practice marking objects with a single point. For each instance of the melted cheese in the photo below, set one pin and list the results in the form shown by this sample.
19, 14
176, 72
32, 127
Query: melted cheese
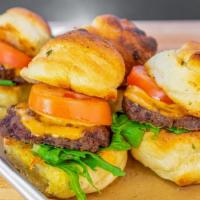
38, 127
109, 156
63, 122
138, 96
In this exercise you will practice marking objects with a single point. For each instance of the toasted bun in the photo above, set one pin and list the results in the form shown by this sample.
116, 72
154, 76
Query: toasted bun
80, 61
53, 181
11, 96
178, 74
133, 44
173, 157
24, 29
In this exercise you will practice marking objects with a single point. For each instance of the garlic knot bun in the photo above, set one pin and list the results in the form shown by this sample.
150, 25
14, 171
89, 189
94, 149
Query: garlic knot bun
80, 61
177, 72
133, 44
24, 29
53, 181
173, 157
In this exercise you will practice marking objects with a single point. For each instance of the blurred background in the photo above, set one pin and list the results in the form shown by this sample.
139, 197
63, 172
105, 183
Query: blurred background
85, 10
73, 13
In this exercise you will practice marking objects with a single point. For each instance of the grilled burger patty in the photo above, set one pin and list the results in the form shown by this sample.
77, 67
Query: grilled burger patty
9, 74
138, 113
93, 137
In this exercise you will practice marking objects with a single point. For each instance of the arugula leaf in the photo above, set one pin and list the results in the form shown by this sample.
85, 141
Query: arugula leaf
152, 128
178, 130
94, 161
133, 135
73, 173
74, 163
7, 83
119, 143
128, 131
86, 174
119, 122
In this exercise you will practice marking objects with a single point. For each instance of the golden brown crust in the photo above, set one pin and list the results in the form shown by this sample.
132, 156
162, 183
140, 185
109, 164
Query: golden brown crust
173, 157
29, 14
133, 44
24, 29
177, 72
11, 96
53, 181
189, 52
80, 61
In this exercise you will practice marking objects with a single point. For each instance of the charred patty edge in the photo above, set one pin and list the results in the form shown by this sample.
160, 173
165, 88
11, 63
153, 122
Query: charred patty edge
138, 113
93, 137
10, 74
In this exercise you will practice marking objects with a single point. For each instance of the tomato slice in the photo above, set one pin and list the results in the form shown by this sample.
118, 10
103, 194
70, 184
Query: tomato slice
12, 57
141, 79
69, 105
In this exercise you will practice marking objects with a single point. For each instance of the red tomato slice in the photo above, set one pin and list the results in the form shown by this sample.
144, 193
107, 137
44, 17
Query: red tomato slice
139, 77
69, 105
12, 57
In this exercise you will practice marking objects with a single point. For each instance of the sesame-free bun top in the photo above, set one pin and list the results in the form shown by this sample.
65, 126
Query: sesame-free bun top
133, 44
171, 156
177, 72
80, 61
24, 29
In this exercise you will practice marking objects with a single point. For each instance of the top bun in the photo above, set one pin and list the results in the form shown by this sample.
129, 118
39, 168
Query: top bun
133, 44
80, 61
177, 72
24, 29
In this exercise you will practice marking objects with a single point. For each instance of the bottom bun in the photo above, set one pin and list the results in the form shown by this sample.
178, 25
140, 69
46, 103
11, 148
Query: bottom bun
173, 157
53, 181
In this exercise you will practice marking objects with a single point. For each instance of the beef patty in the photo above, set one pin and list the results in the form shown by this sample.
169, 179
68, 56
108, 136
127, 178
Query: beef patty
138, 113
93, 137
9, 74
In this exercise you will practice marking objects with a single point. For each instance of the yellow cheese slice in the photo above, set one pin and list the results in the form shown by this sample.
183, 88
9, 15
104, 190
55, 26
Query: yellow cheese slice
138, 96
39, 127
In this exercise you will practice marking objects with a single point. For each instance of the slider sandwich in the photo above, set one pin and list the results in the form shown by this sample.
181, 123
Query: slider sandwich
161, 117
61, 140
132, 43
22, 34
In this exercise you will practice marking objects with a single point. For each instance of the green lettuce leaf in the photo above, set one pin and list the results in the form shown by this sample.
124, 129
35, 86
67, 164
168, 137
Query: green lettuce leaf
75, 164
128, 132
73, 172
94, 161
119, 143
178, 130
7, 83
